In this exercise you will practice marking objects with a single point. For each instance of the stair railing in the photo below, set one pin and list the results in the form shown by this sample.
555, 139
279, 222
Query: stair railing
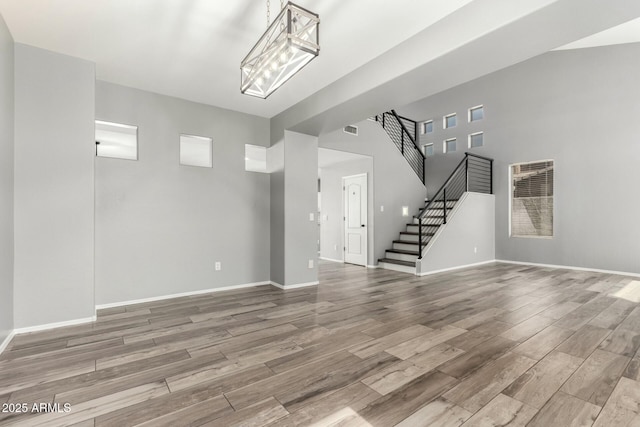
404, 134
473, 174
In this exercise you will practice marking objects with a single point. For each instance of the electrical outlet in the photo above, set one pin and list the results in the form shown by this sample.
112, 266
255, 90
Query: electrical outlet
218, 266
311, 216
335, 247
310, 263
381, 208
475, 250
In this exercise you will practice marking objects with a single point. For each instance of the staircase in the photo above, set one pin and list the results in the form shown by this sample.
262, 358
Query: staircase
473, 174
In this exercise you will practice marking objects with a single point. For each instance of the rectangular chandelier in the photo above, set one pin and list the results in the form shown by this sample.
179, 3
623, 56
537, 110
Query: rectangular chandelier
290, 43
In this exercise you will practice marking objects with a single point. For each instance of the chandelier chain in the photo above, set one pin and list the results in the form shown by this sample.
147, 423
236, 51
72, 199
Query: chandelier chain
268, 13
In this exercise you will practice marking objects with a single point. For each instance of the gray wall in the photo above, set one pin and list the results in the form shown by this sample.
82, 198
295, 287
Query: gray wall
160, 226
579, 108
332, 225
275, 164
300, 200
54, 197
468, 238
6, 181
395, 184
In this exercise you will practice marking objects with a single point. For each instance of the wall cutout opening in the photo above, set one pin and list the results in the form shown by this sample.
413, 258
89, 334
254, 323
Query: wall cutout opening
255, 158
449, 121
427, 127
476, 113
476, 140
428, 149
116, 140
531, 213
449, 146
196, 151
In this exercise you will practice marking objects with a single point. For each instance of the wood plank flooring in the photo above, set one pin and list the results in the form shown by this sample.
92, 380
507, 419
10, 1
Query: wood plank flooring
493, 345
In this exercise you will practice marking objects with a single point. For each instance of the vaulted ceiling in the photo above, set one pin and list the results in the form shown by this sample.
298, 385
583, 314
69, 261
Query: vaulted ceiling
192, 49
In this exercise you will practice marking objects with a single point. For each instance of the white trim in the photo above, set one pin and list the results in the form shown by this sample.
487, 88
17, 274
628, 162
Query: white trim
331, 259
182, 294
569, 267
444, 270
7, 340
48, 326
373, 266
296, 286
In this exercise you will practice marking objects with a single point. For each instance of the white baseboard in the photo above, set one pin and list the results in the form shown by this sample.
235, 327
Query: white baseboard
182, 294
295, 286
444, 270
47, 326
373, 266
569, 267
6, 341
331, 259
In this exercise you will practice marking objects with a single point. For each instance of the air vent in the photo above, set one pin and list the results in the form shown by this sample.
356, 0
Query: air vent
353, 130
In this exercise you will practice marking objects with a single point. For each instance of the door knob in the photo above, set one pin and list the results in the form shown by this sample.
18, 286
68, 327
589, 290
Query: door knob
362, 225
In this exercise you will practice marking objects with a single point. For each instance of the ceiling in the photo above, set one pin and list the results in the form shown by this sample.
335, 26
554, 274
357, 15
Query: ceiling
192, 49
629, 32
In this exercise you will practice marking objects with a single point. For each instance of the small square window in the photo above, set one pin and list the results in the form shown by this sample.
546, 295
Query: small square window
428, 150
427, 127
449, 121
255, 158
476, 140
449, 145
476, 113
196, 151
116, 140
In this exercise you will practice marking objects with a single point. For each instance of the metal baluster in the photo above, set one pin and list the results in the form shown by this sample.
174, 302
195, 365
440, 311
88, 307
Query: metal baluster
444, 197
420, 236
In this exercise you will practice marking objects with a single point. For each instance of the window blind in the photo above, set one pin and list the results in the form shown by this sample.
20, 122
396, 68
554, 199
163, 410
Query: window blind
532, 199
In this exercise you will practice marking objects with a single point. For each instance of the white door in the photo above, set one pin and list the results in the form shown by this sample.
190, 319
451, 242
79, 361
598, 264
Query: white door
355, 219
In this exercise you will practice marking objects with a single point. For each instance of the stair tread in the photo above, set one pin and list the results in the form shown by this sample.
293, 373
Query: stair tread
397, 261
403, 251
426, 225
413, 233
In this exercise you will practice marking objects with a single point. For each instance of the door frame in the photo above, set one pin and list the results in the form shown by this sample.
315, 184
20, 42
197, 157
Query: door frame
344, 221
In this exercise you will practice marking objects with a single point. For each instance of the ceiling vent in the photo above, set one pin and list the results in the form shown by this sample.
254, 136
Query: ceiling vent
352, 130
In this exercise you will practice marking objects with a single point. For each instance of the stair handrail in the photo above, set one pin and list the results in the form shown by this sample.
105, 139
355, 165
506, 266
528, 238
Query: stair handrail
405, 130
416, 163
443, 191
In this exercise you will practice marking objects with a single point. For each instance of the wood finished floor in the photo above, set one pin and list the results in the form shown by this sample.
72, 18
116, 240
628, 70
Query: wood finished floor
493, 345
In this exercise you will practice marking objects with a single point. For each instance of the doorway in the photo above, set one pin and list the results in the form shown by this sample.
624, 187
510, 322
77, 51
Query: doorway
354, 189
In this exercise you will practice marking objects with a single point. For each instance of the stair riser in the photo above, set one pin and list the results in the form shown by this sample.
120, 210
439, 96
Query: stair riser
430, 220
395, 267
405, 246
436, 212
441, 204
401, 257
409, 237
414, 229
